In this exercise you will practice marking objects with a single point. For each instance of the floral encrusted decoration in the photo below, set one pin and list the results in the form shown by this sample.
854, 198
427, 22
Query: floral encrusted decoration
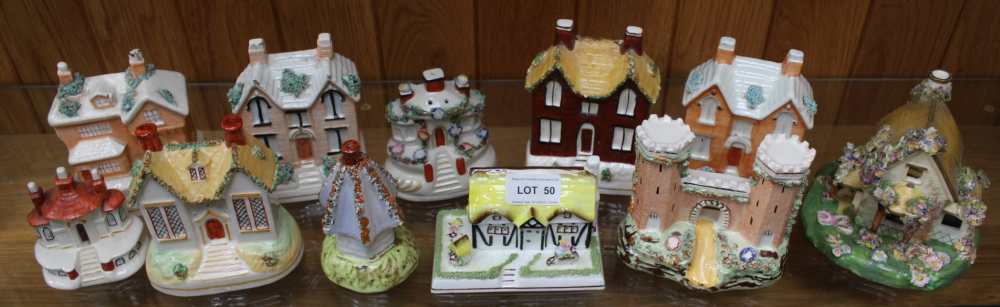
606, 175
167, 96
293, 83
754, 96
284, 173
693, 82
875, 157
69, 107
234, 94
353, 84
810, 104
128, 102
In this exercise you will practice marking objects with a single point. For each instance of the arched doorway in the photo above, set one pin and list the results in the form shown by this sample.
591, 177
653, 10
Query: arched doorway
82, 232
439, 139
303, 144
710, 209
785, 122
214, 229
585, 140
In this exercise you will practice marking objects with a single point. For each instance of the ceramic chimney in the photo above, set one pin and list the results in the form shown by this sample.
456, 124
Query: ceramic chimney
434, 79
150, 140
726, 51
792, 66
233, 125
632, 40
565, 33
257, 51
351, 153
64, 73
405, 92
37, 196
63, 180
324, 46
98, 183
462, 83
136, 63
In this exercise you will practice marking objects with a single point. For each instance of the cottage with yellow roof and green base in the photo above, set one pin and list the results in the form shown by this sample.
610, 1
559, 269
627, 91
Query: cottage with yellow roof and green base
209, 210
524, 230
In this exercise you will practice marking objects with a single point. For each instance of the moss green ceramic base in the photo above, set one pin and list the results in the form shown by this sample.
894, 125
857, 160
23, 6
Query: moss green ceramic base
371, 275
878, 258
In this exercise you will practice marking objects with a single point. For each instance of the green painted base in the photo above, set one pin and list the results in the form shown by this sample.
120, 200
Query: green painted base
371, 275
878, 258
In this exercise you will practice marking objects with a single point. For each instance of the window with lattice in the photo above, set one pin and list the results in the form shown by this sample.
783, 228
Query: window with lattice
251, 214
166, 222
45, 232
111, 220
197, 172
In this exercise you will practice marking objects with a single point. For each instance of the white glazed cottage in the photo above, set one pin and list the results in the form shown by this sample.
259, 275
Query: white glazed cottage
95, 116
301, 104
208, 208
437, 136
507, 243
85, 236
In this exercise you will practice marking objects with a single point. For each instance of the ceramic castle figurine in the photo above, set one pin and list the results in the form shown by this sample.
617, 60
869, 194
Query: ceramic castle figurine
95, 116
901, 210
301, 104
716, 194
366, 249
85, 236
208, 208
524, 230
587, 97
437, 136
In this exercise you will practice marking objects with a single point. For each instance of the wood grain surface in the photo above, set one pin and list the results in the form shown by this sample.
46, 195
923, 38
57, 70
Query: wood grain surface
809, 278
494, 40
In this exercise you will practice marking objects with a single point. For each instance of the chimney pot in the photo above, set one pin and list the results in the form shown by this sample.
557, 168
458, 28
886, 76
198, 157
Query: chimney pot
727, 50
257, 51
792, 66
148, 137
233, 125
37, 196
940, 76
63, 181
565, 34
434, 79
324, 46
98, 184
632, 40
64, 73
136, 63
405, 92
352, 153
85, 176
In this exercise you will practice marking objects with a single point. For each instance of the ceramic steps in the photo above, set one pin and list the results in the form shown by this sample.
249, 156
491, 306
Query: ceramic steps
445, 175
89, 268
220, 260
508, 278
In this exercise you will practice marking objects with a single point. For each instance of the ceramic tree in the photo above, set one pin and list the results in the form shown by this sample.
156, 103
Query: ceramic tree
95, 116
587, 97
86, 236
366, 249
715, 195
901, 210
302, 105
209, 211
523, 230
437, 137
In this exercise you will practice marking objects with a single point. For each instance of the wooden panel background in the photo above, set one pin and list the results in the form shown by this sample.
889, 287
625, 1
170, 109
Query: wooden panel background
850, 46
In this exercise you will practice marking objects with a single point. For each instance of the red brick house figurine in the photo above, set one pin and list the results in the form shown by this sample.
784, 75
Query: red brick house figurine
86, 236
716, 194
587, 97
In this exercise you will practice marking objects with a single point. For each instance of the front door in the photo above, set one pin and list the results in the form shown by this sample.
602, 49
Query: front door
304, 148
214, 229
586, 141
82, 232
439, 136
532, 238
735, 154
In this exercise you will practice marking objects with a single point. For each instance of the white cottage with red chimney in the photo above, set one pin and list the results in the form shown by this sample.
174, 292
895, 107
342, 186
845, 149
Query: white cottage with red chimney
302, 105
437, 136
85, 236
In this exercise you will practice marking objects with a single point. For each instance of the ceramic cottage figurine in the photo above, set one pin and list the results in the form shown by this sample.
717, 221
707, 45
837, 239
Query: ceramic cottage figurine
901, 210
587, 97
437, 136
95, 116
715, 195
524, 230
85, 234
366, 249
301, 104
208, 208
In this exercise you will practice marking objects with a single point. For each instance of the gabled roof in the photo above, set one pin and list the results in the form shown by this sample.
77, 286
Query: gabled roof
752, 87
596, 68
487, 195
95, 149
265, 79
165, 88
344, 214
170, 168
